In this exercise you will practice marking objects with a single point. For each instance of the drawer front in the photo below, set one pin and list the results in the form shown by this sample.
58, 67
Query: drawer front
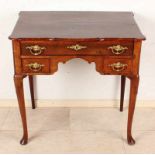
117, 66
35, 65
111, 48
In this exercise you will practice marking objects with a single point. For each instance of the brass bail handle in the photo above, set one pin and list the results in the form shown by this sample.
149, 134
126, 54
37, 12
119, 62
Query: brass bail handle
118, 49
118, 66
35, 66
35, 49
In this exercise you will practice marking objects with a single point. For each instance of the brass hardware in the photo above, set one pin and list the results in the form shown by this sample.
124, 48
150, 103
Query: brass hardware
35, 66
118, 49
76, 47
36, 49
118, 66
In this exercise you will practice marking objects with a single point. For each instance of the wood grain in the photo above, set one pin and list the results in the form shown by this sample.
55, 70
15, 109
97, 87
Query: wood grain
50, 24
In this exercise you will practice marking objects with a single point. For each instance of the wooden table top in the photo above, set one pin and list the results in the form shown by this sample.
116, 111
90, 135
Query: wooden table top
62, 24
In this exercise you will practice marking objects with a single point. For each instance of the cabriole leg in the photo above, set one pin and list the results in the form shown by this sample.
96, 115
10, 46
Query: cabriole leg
134, 82
18, 80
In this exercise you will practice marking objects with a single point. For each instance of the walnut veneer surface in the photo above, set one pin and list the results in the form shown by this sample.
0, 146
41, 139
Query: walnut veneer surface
112, 40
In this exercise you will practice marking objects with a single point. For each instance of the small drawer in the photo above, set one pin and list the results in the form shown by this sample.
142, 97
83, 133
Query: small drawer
117, 66
47, 48
35, 65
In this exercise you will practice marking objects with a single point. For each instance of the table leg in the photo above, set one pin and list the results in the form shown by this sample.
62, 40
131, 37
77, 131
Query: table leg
134, 82
123, 80
32, 91
18, 79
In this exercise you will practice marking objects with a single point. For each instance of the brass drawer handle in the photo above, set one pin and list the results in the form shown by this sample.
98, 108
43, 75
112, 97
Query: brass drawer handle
76, 47
36, 49
35, 67
118, 66
118, 49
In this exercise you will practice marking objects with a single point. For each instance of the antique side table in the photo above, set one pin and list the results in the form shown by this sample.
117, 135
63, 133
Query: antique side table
112, 40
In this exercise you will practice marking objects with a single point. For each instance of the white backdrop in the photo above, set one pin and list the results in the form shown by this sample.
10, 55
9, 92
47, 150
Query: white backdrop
77, 79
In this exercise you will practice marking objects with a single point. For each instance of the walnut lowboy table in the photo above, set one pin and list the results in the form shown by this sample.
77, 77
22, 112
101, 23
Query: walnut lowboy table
111, 40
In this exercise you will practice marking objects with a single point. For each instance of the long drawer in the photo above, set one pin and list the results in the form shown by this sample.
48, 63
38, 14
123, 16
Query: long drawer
111, 48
